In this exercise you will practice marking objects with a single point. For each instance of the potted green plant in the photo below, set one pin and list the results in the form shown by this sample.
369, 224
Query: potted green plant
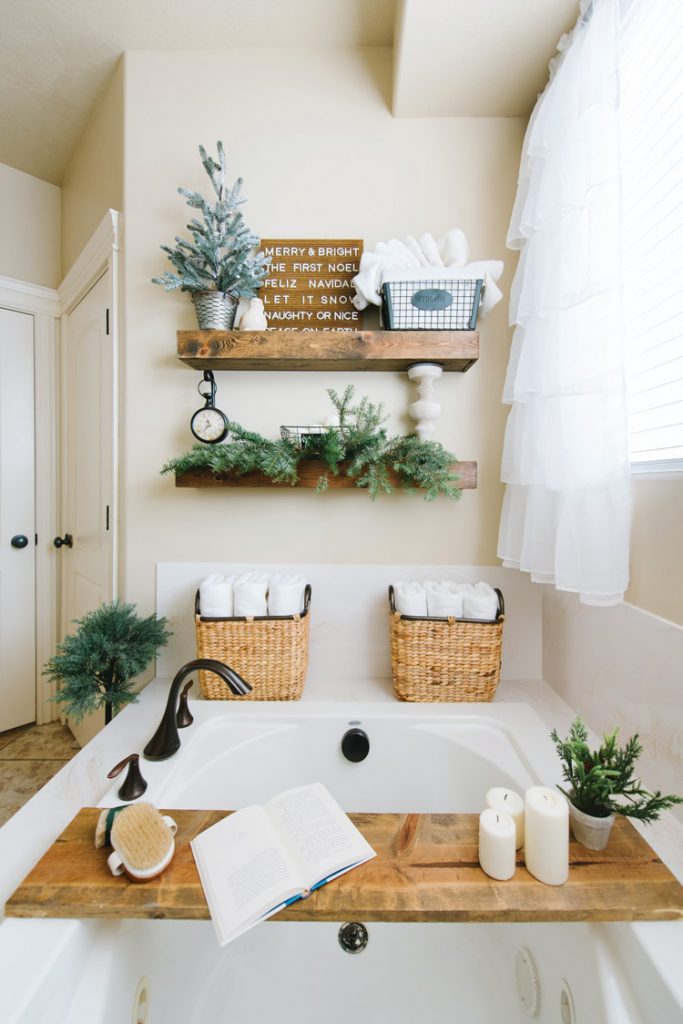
95, 666
602, 783
219, 266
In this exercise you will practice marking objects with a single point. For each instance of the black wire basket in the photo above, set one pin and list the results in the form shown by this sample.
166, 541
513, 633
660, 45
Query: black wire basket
436, 305
303, 437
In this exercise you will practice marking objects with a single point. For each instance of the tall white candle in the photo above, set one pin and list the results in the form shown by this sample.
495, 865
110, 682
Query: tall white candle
497, 844
546, 835
509, 802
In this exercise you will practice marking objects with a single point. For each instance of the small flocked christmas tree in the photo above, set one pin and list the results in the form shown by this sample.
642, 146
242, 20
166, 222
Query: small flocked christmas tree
219, 257
95, 666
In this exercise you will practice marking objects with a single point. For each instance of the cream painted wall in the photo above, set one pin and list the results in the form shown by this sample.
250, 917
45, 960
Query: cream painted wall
657, 548
313, 136
30, 235
93, 182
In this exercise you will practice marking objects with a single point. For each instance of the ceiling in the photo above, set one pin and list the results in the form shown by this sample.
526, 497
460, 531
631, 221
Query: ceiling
454, 57
477, 58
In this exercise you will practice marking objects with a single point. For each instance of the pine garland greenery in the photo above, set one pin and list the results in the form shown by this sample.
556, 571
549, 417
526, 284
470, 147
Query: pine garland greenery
95, 666
358, 447
219, 257
597, 777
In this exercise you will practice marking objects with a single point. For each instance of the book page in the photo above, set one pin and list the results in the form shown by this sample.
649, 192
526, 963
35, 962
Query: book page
317, 832
244, 869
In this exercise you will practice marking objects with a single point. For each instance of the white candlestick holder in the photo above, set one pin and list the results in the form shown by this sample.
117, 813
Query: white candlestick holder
425, 411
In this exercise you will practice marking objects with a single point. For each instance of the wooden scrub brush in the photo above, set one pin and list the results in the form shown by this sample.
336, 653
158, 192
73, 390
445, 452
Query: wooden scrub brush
143, 842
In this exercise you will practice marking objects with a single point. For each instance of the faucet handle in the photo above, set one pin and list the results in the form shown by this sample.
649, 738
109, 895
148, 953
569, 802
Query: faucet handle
184, 716
133, 785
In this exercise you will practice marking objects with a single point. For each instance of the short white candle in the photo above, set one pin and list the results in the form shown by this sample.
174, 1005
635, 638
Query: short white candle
497, 844
546, 835
509, 802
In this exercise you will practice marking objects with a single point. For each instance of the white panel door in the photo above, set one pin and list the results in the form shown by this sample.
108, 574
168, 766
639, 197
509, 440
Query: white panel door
17, 522
87, 566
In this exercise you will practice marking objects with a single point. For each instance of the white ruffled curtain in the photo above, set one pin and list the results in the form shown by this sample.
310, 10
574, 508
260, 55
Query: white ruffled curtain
566, 513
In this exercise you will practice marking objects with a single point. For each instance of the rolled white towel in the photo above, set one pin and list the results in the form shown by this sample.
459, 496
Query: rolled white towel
216, 597
443, 599
410, 598
249, 592
479, 602
286, 595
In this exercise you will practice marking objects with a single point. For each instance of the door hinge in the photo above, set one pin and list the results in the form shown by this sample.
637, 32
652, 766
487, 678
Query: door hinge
107, 518
106, 323
36, 536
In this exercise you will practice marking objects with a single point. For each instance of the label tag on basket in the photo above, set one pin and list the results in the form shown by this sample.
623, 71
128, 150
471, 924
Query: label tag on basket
432, 298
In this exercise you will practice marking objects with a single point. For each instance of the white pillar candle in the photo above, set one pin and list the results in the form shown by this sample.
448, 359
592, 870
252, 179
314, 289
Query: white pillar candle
497, 844
509, 802
546, 835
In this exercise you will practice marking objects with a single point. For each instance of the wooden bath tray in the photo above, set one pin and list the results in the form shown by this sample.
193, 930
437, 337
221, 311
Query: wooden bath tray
426, 869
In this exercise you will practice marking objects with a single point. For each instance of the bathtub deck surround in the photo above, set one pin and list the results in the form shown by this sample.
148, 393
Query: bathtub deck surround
351, 618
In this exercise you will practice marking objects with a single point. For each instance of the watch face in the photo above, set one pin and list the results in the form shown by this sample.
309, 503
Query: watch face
209, 425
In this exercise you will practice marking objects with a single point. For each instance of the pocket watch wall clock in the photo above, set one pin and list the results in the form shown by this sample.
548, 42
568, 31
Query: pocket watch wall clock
209, 424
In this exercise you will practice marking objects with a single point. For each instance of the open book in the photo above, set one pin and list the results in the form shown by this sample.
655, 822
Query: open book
259, 859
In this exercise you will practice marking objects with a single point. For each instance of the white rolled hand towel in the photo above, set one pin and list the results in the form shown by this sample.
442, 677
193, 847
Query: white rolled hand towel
286, 595
215, 597
443, 599
250, 595
479, 602
410, 599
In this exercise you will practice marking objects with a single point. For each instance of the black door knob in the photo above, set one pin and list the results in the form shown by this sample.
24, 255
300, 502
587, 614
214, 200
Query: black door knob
19, 541
67, 540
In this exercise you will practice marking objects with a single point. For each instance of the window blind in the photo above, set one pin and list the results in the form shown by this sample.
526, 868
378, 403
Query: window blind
651, 106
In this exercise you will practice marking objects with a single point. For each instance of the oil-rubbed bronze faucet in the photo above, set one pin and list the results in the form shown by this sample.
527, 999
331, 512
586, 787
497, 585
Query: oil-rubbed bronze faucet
166, 741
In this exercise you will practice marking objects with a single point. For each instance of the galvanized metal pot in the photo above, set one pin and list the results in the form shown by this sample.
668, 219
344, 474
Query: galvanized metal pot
215, 310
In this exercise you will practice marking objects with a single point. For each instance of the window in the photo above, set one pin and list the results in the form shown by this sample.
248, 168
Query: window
652, 168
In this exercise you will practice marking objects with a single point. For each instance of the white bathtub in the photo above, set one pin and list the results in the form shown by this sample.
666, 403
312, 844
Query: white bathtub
426, 759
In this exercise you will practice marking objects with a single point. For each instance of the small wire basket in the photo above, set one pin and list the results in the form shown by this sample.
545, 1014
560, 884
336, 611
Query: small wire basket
437, 305
303, 437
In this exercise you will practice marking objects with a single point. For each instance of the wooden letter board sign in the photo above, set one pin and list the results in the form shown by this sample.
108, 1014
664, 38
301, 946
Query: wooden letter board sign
309, 285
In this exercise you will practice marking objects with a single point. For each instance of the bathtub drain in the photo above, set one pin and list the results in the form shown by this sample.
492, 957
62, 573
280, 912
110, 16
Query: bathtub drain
353, 937
141, 1003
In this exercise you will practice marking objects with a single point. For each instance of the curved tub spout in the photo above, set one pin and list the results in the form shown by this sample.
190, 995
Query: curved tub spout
166, 741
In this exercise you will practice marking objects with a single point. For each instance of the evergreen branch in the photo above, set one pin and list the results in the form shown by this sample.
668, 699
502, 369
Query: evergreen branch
359, 448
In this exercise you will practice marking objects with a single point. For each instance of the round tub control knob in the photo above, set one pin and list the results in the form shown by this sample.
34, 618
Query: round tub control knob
355, 745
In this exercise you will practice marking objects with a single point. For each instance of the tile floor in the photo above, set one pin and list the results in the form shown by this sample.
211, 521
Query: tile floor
29, 757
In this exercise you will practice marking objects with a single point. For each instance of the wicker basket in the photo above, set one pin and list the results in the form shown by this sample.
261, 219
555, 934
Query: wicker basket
269, 652
445, 659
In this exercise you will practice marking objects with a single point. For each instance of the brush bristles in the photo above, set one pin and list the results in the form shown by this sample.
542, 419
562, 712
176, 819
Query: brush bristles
141, 836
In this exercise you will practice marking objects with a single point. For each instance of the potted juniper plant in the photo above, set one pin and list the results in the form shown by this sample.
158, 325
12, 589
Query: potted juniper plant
602, 783
96, 665
219, 266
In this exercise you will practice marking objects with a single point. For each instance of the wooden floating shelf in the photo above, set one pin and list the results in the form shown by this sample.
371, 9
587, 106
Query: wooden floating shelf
309, 472
426, 869
327, 350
